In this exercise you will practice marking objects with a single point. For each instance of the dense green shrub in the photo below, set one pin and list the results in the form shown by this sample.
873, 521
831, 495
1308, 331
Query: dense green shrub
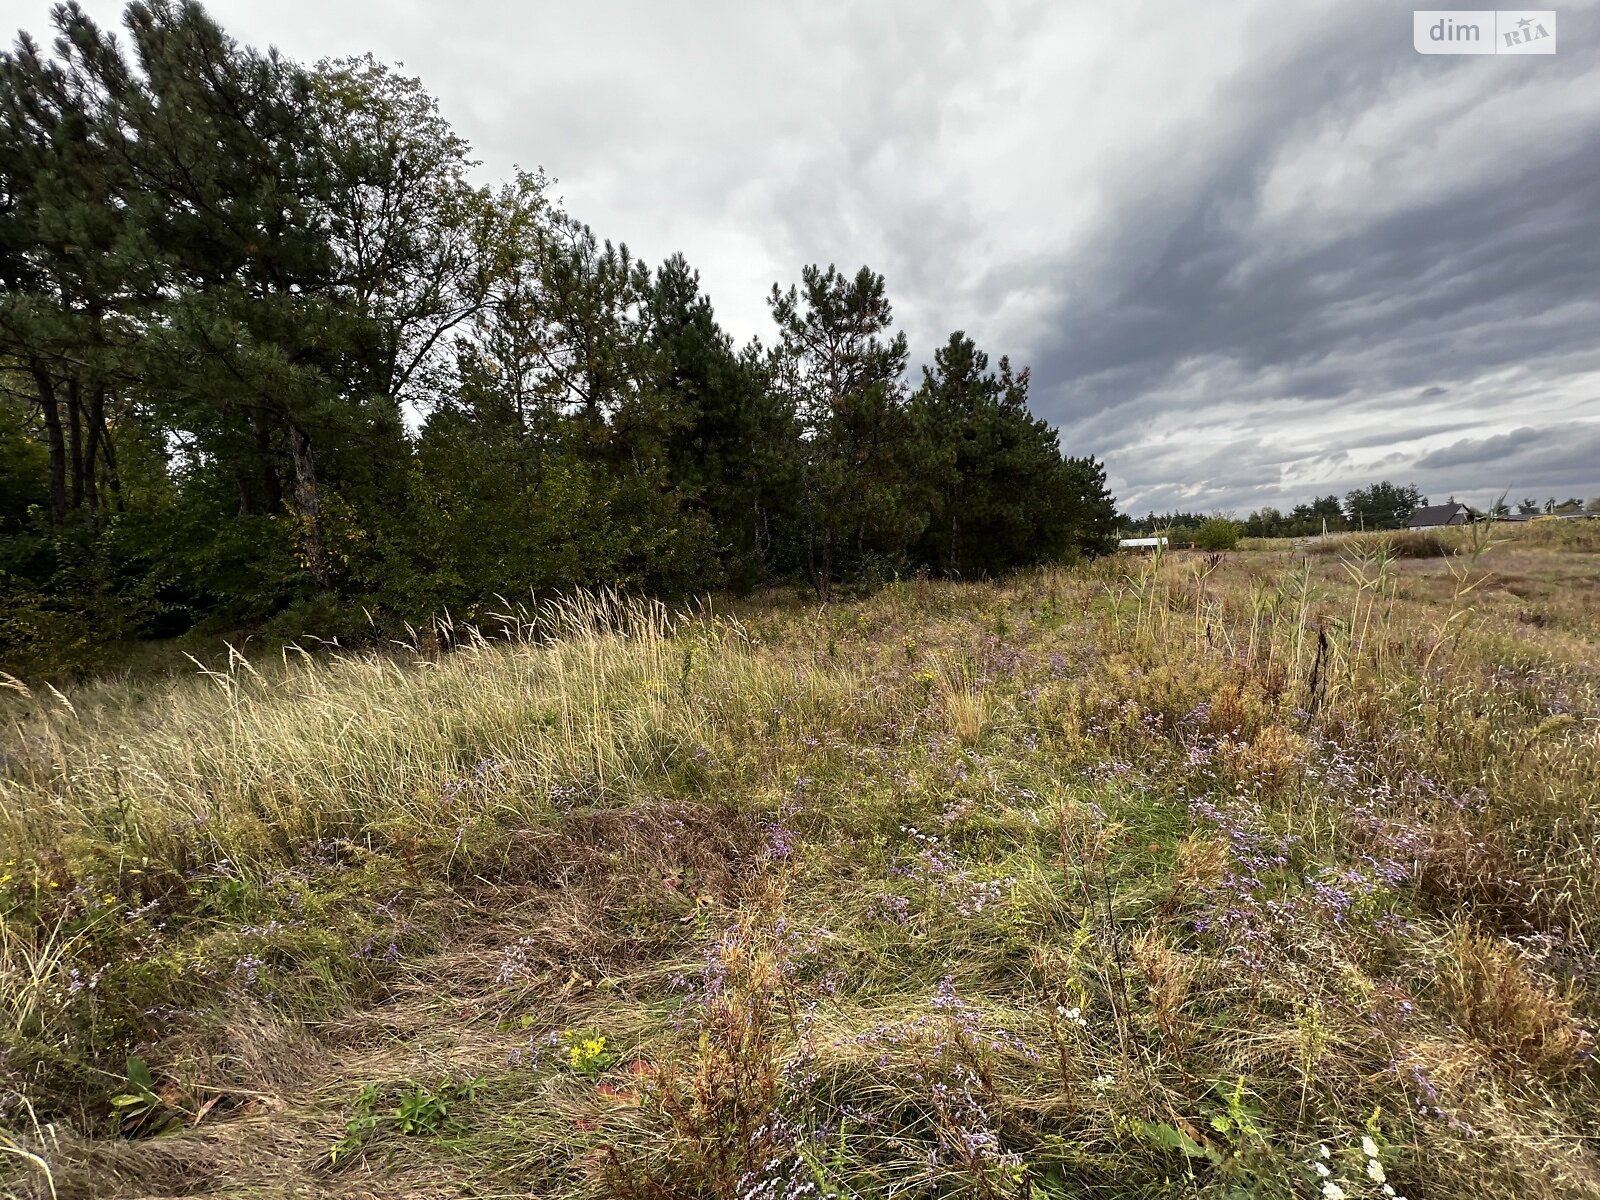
1217, 533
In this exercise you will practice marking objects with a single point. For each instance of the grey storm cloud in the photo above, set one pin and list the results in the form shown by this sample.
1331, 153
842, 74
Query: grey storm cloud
1495, 449
1253, 252
1547, 458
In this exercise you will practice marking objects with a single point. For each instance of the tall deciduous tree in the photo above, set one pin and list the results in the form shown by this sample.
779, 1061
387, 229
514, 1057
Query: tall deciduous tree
405, 223
1383, 505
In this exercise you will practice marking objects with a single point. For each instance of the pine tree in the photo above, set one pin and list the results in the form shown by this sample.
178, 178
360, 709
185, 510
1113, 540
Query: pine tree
731, 447
1093, 508
865, 481
71, 297
264, 352
1000, 502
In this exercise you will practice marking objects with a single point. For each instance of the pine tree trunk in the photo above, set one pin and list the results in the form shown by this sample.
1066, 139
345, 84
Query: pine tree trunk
58, 447
96, 429
307, 501
108, 452
269, 473
75, 438
822, 565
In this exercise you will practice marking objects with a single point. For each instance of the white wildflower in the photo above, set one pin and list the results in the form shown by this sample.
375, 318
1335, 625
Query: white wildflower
1369, 1147
1332, 1191
1322, 1169
1375, 1170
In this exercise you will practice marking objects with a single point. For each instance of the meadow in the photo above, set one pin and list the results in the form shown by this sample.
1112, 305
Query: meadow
1266, 874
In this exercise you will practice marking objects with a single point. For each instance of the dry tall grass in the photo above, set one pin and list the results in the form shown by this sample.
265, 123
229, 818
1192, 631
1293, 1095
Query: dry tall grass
1157, 874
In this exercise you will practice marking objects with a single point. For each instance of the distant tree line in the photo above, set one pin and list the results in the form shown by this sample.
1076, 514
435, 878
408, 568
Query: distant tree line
1530, 507
1382, 505
266, 349
1377, 506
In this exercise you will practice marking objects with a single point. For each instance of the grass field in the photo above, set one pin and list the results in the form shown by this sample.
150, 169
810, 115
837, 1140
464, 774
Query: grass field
1253, 875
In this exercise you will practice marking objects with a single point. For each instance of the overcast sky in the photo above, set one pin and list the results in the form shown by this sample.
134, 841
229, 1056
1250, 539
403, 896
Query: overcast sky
1253, 251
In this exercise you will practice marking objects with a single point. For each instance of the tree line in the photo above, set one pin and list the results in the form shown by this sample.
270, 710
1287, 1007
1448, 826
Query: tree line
267, 351
1382, 505
1377, 506
1530, 507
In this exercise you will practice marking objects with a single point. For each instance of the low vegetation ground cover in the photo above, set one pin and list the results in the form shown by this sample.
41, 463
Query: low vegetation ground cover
1259, 874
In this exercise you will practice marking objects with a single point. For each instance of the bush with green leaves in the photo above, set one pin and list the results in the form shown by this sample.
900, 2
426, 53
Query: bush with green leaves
1217, 533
